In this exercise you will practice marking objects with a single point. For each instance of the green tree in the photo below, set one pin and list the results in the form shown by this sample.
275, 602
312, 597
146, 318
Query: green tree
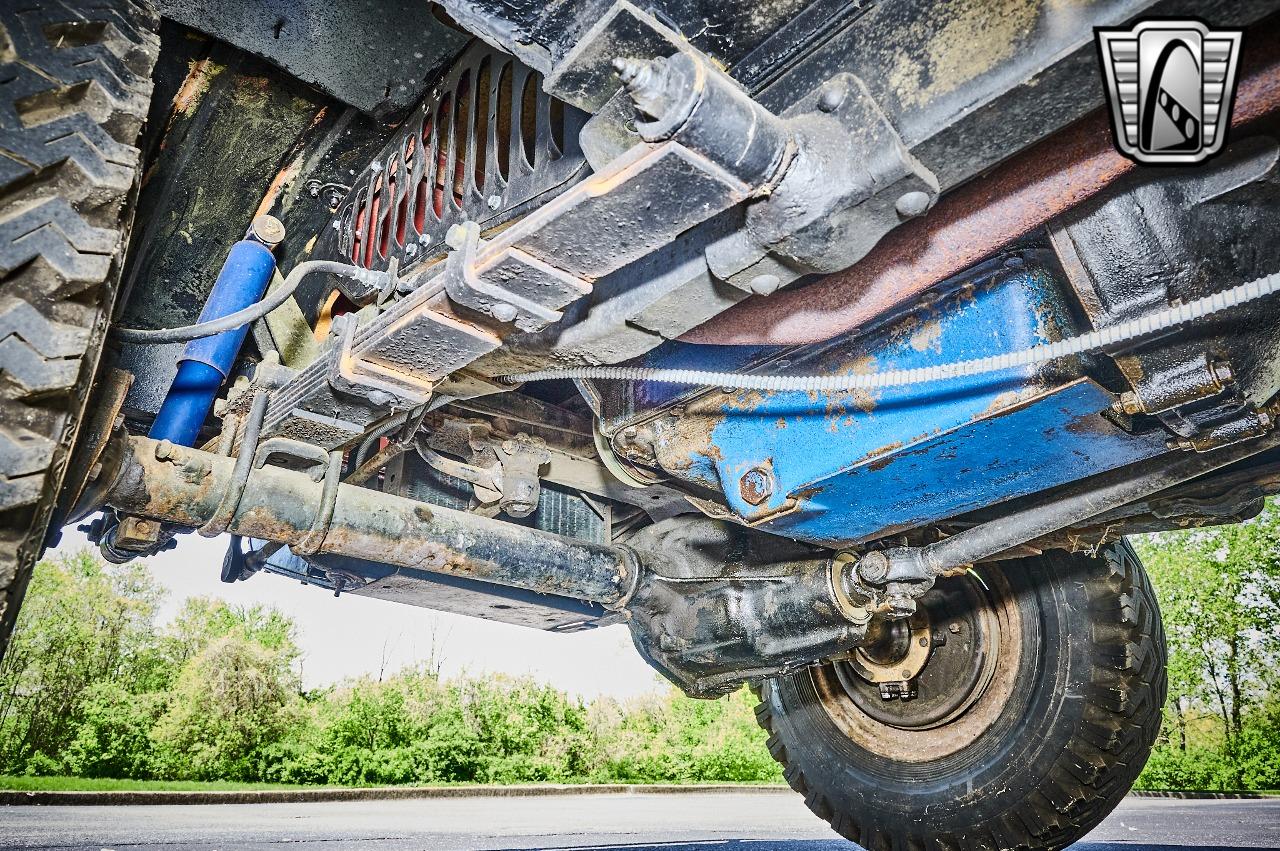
229, 703
1219, 590
83, 622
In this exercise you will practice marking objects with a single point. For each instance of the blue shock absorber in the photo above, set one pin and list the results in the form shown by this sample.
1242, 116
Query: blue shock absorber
206, 362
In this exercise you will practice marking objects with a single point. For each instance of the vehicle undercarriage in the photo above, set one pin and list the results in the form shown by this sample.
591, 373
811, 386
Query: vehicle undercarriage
833, 348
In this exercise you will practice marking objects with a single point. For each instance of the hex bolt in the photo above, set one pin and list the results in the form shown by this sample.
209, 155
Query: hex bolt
954, 628
873, 568
832, 96
164, 450
906, 675
494, 202
1129, 403
503, 312
756, 485
379, 398
1222, 373
912, 204
924, 642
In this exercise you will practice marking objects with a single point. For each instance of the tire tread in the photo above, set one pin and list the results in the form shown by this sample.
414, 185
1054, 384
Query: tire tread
75, 87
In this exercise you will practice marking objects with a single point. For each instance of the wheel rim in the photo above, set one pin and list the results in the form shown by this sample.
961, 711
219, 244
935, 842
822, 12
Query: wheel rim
961, 652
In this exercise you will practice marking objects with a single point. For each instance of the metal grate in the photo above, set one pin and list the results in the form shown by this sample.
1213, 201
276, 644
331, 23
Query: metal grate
486, 145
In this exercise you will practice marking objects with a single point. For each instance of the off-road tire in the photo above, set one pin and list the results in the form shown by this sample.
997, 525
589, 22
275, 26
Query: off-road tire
1049, 769
75, 85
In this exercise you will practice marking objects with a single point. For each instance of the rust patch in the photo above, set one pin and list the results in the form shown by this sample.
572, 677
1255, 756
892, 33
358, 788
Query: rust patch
928, 337
199, 75
283, 178
744, 400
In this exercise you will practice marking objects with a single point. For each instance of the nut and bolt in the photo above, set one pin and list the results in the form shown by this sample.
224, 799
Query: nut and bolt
1222, 373
756, 485
912, 204
953, 628
503, 312
1129, 403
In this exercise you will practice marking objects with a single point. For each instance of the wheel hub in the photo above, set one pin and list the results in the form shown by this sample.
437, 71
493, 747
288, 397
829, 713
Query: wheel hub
924, 687
923, 672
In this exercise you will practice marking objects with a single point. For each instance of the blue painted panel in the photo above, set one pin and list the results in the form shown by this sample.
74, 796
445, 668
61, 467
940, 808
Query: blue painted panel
853, 465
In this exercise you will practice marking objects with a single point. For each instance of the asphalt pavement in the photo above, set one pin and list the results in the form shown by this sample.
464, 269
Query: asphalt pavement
732, 821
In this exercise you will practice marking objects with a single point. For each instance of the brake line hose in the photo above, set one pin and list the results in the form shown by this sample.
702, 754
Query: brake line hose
1101, 338
255, 311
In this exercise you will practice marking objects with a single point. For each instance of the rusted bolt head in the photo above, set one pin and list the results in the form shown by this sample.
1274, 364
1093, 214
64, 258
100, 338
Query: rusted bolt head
912, 204
873, 567
756, 485
1129, 403
832, 96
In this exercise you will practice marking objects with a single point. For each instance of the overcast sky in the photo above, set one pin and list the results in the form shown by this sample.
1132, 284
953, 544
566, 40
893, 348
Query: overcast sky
354, 635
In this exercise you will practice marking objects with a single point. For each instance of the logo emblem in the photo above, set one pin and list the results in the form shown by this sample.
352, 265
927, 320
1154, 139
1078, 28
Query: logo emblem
1170, 85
